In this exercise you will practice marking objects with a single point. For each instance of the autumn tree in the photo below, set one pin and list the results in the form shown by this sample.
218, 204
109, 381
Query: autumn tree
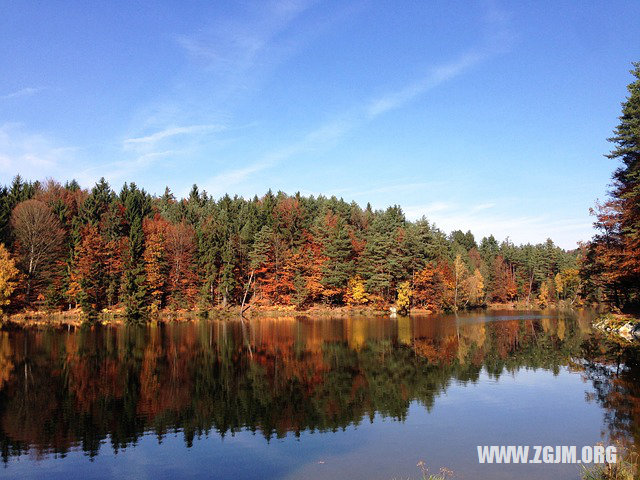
10, 196
460, 273
155, 259
403, 301
89, 281
8, 276
544, 297
181, 247
504, 287
567, 283
308, 264
356, 293
39, 240
274, 274
428, 288
474, 288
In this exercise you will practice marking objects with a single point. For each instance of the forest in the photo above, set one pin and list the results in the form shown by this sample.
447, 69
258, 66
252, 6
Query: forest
64, 247
100, 250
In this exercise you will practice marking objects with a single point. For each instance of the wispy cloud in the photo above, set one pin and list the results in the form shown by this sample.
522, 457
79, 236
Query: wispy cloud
316, 139
328, 133
435, 77
32, 155
483, 206
23, 92
171, 132
322, 137
232, 48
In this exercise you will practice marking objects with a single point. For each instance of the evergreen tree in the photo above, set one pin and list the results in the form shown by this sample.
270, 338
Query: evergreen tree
381, 260
227, 277
339, 266
137, 206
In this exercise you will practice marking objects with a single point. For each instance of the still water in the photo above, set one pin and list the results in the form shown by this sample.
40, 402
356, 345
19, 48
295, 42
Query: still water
306, 398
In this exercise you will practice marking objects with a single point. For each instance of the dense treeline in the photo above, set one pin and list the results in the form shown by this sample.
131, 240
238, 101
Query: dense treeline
612, 262
68, 247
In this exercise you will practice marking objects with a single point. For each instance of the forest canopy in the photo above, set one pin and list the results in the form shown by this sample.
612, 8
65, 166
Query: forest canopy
99, 249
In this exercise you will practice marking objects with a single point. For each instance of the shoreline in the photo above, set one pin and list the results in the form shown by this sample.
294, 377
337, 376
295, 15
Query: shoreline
76, 317
620, 326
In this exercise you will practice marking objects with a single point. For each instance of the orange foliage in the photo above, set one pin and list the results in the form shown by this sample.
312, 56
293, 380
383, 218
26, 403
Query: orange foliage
181, 245
428, 288
504, 282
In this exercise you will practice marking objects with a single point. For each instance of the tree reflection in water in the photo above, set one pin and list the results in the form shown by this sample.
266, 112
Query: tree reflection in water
61, 390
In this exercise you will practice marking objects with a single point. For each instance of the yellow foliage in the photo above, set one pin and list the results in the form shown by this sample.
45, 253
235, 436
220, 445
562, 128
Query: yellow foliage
356, 293
8, 274
543, 296
473, 287
567, 282
460, 274
559, 283
404, 297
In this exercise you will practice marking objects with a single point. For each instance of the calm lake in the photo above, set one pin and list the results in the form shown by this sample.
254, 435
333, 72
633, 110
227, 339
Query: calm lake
310, 398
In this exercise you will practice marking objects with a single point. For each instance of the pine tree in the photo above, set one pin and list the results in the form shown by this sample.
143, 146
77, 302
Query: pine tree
384, 256
339, 266
136, 205
227, 276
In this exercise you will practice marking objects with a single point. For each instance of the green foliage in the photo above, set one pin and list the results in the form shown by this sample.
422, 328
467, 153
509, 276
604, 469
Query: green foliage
137, 205
337, 247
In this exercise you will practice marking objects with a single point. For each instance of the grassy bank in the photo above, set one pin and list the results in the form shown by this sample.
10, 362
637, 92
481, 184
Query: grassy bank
625, 469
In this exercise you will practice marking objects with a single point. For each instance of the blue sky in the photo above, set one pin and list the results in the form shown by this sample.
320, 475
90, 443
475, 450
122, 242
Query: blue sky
489, 116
